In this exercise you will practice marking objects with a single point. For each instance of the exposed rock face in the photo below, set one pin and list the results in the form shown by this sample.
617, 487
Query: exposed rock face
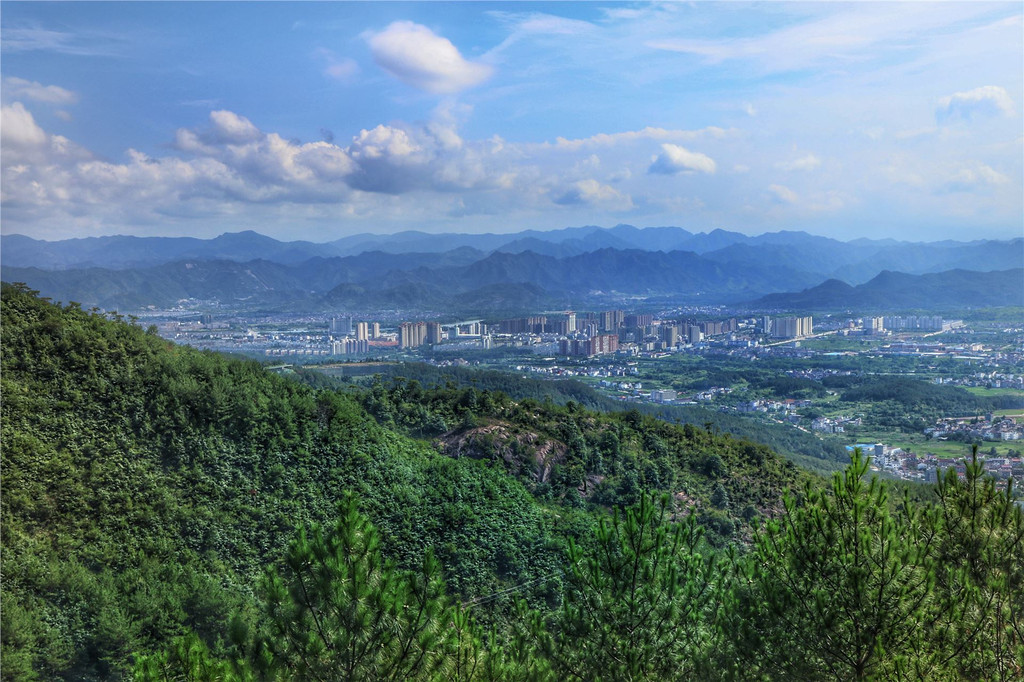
525, 452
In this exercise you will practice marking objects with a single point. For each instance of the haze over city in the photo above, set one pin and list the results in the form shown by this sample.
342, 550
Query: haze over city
319, 120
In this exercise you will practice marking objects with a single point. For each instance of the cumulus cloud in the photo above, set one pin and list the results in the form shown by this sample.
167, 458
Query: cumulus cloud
592, 193
988, 100
18, 128
19, 88
675, 159
977, 176
783, 194
418, 57
25, 142
804, 163
231, 128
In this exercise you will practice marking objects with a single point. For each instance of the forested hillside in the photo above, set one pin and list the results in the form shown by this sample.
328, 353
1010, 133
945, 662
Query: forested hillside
803, 448
171, 514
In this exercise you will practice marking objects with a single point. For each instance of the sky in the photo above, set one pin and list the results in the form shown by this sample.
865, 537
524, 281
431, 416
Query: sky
317, 120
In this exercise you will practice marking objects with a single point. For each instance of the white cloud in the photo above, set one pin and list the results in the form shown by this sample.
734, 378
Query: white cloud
593, 193
988, 100
19, 88
231, 128
550, 24
852, 33
648, 133
25, 142
675, 159
783, 194
620, 175
418, 57
804, 163
977, 176
18, 128
343, 69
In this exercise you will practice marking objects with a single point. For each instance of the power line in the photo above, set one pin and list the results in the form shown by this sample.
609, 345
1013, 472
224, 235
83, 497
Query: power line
515, 588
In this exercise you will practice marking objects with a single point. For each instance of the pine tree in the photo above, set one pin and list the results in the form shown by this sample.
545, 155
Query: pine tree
840, 586
979, 622
637, 606
340, 612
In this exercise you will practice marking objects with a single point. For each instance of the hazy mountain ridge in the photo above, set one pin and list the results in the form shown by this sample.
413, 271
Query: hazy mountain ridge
894, 290
123, 252
560, 266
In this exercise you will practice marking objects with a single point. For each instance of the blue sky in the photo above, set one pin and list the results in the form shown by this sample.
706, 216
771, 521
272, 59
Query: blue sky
317, 120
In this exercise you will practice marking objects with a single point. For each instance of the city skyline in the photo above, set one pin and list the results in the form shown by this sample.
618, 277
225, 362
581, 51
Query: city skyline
319, 120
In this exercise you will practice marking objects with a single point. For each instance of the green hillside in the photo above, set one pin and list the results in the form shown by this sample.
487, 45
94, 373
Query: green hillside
172, 514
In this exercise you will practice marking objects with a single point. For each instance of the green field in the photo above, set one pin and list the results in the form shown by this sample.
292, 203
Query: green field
920, 444
993, 392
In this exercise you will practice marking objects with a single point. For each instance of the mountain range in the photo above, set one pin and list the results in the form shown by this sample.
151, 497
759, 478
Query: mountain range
897, 290
520, 271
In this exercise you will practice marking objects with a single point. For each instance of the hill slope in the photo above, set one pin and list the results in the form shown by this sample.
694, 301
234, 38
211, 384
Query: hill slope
147, 486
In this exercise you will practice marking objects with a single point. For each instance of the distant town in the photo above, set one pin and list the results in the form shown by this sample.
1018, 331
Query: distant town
623, 354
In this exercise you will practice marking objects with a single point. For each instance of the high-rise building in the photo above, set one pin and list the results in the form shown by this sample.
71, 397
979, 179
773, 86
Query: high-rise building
711, 328
341, 326
670, 335
412, 334
792, 327
611, 320
931, 323
362, 331
433, 333
634, 321
375, 330
524, 325
349, 346
600, 344
603, 344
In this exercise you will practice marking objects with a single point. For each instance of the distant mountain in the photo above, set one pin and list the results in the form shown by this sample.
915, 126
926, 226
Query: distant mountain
983, 255
378, 279
716, 239
122, 252
572, 264
858, 262
819, 257
896, 290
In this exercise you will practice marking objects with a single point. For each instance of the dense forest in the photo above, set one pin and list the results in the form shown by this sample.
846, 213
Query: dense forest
172, 514
803, 448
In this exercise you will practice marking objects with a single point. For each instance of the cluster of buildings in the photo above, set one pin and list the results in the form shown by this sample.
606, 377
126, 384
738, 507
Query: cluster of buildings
570, 334
834, 424
929, 467
901, 324
600, 344
916, 323
347, 337
977, 428
767, 405
985, 380
786, 327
